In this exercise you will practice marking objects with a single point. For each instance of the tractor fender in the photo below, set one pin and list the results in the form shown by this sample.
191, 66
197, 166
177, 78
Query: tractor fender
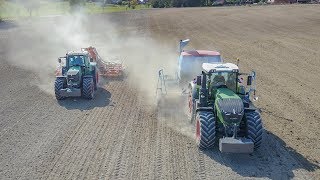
251, 107
204, 109
61, 77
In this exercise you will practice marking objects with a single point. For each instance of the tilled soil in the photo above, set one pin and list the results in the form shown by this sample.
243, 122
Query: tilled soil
119, 135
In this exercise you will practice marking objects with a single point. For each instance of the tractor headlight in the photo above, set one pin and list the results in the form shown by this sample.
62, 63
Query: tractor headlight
232, 110
212, 71
231, 118
73, 78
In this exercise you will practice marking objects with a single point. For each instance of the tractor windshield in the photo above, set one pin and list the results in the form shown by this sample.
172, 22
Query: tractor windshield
76, 60
224, 78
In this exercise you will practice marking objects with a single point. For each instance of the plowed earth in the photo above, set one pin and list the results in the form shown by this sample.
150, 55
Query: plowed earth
119, 135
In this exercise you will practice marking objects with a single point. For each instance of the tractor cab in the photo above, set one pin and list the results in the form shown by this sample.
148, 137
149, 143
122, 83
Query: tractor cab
222, 75
77, 59
73, 60
227, 75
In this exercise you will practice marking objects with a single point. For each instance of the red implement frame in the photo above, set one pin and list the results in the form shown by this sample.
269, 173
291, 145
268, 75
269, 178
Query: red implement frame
107, 69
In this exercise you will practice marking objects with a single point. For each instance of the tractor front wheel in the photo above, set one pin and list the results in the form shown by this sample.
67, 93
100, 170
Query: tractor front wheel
58, 85
254, 128
205, 130
88, 88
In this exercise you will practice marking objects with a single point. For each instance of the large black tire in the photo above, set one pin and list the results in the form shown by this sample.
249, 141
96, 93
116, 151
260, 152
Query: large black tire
58, 85
205, 130
254, 128
88, 88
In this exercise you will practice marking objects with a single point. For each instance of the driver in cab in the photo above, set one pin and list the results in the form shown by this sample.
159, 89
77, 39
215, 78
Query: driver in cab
218, 80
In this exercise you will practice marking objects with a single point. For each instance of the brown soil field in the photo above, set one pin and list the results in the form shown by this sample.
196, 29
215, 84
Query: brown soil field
120, 134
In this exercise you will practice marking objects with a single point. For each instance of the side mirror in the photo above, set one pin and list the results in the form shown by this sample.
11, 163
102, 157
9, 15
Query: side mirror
160, 72
59, 60
91, 59
198, 80
249, 80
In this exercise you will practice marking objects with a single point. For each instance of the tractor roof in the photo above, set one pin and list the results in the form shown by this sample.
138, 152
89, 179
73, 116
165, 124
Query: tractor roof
83, 53
219, 67
200, 53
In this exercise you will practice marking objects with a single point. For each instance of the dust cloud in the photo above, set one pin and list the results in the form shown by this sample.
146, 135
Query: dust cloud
40, 41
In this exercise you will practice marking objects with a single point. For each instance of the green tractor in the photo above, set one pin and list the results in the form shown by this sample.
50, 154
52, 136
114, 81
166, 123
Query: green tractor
77, 77
221, 107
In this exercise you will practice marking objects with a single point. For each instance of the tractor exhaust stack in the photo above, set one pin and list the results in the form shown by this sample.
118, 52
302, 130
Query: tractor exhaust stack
203, 95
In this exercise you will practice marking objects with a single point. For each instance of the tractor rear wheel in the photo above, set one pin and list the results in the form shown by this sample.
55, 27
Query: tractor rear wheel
205, 130
58, 85
88, 88
254, 128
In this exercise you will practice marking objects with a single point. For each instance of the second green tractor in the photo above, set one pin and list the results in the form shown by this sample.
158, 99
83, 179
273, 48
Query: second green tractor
77, 77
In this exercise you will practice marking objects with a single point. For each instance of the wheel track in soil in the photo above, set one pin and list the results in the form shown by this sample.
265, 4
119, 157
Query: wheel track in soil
83, 128
127, 138
199, 41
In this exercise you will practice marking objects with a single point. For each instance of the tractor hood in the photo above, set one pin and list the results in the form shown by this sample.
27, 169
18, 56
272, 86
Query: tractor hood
229, 106
73, 74
74, 70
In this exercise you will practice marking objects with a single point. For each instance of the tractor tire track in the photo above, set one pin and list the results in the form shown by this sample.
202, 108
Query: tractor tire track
119, 135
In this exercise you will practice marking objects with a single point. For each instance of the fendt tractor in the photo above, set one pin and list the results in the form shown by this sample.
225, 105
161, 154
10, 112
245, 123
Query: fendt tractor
219, 104
77, 76
221, 107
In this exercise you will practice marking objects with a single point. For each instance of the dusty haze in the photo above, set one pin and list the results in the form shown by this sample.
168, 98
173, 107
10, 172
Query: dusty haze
118, 135
142, 56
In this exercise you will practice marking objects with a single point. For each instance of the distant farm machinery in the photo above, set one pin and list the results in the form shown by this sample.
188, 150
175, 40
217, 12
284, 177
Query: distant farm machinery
78, 77
79, 74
